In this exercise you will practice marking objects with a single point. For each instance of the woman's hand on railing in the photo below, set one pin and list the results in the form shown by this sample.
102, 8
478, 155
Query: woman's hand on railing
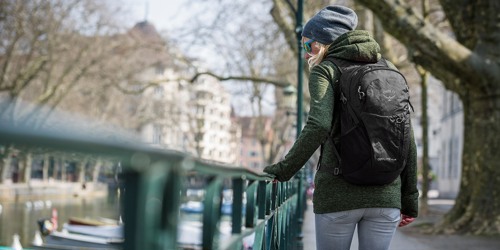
275, 170
272, 176
269, 175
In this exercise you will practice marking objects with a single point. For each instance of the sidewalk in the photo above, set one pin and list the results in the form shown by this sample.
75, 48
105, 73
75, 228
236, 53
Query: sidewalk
408, 239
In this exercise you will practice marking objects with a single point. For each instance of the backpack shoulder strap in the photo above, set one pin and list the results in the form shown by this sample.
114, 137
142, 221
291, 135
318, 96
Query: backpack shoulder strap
382, 60
345, 65
341, 64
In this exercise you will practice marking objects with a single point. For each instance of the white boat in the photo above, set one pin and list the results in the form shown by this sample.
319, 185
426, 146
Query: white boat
67, 240
82, 234
107, 231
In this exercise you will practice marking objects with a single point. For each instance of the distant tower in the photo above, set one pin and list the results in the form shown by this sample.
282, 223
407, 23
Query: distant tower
146, 10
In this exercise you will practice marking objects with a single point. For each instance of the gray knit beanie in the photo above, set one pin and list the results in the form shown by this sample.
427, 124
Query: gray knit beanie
329, 23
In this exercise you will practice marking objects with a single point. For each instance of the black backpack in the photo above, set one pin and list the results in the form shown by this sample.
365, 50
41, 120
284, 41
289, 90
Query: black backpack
375, 122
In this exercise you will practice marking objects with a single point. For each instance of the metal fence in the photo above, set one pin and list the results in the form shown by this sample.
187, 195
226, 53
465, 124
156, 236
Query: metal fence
155, 183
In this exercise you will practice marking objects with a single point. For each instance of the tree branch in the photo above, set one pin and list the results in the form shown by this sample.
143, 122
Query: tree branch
456, 14
276, 83
287, 29
292, 8
454, 59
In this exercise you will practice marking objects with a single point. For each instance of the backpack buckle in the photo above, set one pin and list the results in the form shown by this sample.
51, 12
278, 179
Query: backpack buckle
343, 98
361, 93
336, 171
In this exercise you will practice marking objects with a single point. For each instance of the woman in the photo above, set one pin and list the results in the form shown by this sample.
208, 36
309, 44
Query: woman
338, 205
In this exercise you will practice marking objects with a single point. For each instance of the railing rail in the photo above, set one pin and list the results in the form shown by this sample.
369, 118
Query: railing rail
155, 179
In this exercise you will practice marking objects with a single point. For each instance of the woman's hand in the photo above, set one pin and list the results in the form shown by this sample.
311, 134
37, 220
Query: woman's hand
272, 171
405, 220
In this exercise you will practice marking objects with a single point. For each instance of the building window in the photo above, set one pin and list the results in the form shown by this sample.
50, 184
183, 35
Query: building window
157, 134
456, 158
450, 159
200, 110
252, 154
159, 70
200, 123
158, 91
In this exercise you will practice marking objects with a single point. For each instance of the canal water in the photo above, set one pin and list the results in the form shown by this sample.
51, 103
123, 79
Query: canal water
21, 218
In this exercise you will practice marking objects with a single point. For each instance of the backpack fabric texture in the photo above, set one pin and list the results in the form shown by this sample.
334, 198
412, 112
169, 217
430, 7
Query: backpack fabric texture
375, 123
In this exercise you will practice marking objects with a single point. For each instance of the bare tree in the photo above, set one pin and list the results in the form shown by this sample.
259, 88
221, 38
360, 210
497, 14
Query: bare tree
75, 56
251, 52
53, 50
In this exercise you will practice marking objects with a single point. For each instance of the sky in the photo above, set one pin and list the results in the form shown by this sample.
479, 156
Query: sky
169, 15
164, 14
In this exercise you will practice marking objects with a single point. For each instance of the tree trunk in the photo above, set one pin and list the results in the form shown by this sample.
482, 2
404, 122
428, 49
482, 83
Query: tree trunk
29, 165
424, 206
424, 76
64, 177
45, 169
365, 19
25, 167
96, 171
477, 209
80, 167
57, 167
4, 168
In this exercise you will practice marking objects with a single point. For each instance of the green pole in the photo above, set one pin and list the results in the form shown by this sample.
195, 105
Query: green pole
300, 71
300, 66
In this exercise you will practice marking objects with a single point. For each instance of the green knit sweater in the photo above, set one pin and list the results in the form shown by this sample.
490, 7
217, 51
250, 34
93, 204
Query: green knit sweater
333, 193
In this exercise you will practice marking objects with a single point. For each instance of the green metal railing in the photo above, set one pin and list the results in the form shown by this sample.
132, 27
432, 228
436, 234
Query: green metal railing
156, 179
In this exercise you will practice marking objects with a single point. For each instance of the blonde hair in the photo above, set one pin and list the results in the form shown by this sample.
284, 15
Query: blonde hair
317, 58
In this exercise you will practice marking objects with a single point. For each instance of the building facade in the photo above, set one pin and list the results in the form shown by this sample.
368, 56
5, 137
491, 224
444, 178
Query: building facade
449, 165
445, 128
214, 132
192, 117
166, 108
255, 141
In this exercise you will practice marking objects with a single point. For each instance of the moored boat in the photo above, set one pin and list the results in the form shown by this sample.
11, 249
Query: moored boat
65, 241
82, 234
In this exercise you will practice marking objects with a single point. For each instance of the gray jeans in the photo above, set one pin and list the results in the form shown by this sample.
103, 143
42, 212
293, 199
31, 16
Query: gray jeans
376, 226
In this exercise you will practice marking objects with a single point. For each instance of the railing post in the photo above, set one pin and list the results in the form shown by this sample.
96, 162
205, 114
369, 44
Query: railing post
237, 208
130, 214
171, 200
262, 200
250, 213
211, 213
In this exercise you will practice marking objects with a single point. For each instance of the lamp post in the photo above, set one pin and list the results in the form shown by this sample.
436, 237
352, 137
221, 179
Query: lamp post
300, 70
300, 63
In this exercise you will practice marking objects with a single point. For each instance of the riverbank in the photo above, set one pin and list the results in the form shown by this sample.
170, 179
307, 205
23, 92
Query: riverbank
38, 190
